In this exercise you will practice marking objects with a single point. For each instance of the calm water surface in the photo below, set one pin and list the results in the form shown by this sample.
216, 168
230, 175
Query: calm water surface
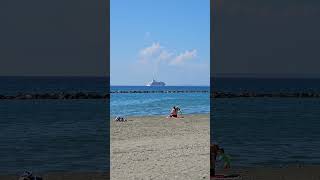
267, 131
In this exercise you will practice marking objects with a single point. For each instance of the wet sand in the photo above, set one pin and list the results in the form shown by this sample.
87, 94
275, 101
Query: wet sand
157, 147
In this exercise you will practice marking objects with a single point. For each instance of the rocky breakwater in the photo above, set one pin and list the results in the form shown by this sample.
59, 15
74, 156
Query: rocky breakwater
58, 95
159, 91
216, 94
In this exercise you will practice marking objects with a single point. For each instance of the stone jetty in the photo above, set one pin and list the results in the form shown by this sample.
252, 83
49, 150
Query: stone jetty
78, 95
215, 94
160, 91
265, 95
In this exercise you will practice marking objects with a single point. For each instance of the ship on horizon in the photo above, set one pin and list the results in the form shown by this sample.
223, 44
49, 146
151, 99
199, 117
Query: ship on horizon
156, 83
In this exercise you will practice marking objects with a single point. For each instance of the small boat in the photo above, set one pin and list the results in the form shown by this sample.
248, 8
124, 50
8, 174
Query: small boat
156, 83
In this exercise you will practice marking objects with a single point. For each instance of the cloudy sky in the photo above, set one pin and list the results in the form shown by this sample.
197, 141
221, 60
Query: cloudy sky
166, 40
272, 38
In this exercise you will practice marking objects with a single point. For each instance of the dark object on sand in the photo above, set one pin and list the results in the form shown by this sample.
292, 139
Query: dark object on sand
120, 119
28, 176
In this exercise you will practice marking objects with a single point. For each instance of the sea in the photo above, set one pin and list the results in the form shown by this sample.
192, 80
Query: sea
150, 104
273, 132
73, 135
53, 135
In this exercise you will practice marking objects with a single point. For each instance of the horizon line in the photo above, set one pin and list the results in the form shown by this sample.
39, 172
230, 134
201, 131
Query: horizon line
161, 86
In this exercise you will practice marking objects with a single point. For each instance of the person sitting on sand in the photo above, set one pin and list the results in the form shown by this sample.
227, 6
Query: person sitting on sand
214, 148
216, 151
225, 158
174, 112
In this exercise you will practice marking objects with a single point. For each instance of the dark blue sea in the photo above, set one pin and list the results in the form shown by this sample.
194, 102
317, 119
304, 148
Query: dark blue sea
53, 135
267, 131
15, 85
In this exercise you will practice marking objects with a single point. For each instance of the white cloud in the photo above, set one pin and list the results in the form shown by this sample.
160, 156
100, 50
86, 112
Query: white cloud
181, 58
151, 50
165, 55
157, 53
149, 53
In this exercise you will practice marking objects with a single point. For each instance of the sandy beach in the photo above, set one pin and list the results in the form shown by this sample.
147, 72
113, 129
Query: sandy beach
157, 147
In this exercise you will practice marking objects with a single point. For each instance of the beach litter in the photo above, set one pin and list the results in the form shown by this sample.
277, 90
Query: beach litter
120, 119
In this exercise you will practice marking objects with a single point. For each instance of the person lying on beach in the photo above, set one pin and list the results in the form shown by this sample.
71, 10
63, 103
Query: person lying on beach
225, 158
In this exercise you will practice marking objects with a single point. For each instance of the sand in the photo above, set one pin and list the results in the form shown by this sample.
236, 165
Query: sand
157, 147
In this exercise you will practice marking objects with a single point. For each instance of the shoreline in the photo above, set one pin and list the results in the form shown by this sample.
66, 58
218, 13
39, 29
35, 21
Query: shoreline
163, 115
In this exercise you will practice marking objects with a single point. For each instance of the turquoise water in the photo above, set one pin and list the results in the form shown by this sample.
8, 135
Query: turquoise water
142, 104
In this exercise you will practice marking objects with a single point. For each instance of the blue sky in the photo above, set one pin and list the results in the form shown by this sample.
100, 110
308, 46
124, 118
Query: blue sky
168, 40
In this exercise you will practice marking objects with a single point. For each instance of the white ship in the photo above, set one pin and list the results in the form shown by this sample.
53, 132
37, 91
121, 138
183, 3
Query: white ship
156, 83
